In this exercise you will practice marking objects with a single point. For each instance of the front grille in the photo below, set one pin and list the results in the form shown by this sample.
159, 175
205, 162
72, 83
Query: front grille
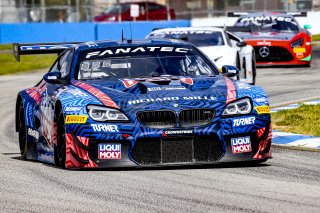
157, 119
167, 119
177, 150
276, 54
195, 117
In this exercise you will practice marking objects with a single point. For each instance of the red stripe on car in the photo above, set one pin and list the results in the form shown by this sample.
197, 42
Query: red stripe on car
106, 100
232, 95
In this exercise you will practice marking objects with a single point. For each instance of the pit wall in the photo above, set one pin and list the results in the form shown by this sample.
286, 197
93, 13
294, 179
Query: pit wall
78, 32
312, 18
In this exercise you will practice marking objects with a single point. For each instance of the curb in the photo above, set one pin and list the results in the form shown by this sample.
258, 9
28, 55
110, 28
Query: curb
291, 139
294, 106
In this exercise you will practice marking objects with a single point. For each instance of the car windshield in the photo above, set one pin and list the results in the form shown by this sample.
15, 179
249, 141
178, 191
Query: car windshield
269, 23
151, 61
117, 9
199, 38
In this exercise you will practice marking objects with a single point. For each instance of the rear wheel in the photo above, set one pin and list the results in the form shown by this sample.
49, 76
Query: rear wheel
60, 148
22, 133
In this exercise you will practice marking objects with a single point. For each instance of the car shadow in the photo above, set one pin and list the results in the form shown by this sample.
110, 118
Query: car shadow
167, 167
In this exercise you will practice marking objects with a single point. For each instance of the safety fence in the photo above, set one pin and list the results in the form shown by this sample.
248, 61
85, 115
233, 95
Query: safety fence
77, 32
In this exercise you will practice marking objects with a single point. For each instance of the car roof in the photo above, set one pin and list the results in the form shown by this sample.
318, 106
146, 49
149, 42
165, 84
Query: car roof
186, 29
126, 43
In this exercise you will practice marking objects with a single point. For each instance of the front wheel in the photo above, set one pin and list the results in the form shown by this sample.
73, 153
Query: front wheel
60, 148
238, 65
23, 143
254, 72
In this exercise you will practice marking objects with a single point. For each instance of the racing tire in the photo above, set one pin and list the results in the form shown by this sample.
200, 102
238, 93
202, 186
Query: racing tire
238, 65
23, 135
254, 72
60, 148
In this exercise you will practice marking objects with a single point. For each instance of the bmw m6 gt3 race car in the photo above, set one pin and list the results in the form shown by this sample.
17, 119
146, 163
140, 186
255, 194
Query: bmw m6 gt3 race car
276, 37
139, 103
222, 47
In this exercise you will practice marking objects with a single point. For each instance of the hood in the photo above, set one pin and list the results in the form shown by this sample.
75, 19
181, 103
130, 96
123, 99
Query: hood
266, 35
132, 95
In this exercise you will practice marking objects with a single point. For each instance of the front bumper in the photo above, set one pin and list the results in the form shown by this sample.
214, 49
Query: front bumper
139, 147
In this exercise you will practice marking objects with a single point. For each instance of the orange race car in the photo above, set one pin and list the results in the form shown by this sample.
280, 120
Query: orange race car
276, 37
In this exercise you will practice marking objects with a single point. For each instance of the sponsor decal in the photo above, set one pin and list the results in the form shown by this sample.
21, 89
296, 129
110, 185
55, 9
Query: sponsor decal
299, 55
299, 50
263, 109
76, 119
33, 133
104, 128
129, 83
164, 88
176, 132
109, 151
260, 100
243, 121
262, 19
73, 109
263, 43
241, 145
187, 81
108, 52
138, 101
242, 85
180, 32
77, 93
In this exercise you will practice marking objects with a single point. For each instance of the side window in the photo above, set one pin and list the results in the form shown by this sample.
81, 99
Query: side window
65, 63
62, 64
54, 67
153, 7
228, 39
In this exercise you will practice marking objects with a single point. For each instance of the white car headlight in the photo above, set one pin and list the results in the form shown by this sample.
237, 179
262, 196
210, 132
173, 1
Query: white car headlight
240, 107
100, 113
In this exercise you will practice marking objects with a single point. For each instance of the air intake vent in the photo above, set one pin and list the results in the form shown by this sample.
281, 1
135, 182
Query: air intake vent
195, 117
157, 119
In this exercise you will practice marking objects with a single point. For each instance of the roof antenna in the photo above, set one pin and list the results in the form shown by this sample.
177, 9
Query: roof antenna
122, 35
130, 40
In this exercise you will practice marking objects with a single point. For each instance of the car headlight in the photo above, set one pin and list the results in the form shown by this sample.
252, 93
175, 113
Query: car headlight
297, 43
100, 113
240, 107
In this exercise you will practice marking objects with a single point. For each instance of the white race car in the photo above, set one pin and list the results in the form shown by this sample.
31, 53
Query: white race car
222, 47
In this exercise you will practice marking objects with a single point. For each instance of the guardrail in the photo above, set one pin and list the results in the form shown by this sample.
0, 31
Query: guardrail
66, 32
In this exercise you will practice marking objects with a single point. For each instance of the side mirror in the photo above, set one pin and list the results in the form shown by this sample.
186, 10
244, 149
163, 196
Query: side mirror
242, 44
53, 77
307, 26
229, 71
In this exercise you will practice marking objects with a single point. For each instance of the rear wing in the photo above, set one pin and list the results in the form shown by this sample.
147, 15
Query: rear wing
294, 14
236, 14
44, 48
238, 28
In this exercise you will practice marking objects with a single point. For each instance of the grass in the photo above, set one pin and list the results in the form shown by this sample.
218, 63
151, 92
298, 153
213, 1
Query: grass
6, 47
9, 65
302, 120
316, 37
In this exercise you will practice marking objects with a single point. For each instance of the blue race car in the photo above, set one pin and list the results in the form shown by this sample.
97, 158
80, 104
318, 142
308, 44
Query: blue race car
139, 103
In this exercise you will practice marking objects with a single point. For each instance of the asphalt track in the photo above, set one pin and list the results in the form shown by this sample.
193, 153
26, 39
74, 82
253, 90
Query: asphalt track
290, 182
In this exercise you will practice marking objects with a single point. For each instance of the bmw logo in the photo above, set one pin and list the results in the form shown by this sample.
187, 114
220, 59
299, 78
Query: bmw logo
175, 105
